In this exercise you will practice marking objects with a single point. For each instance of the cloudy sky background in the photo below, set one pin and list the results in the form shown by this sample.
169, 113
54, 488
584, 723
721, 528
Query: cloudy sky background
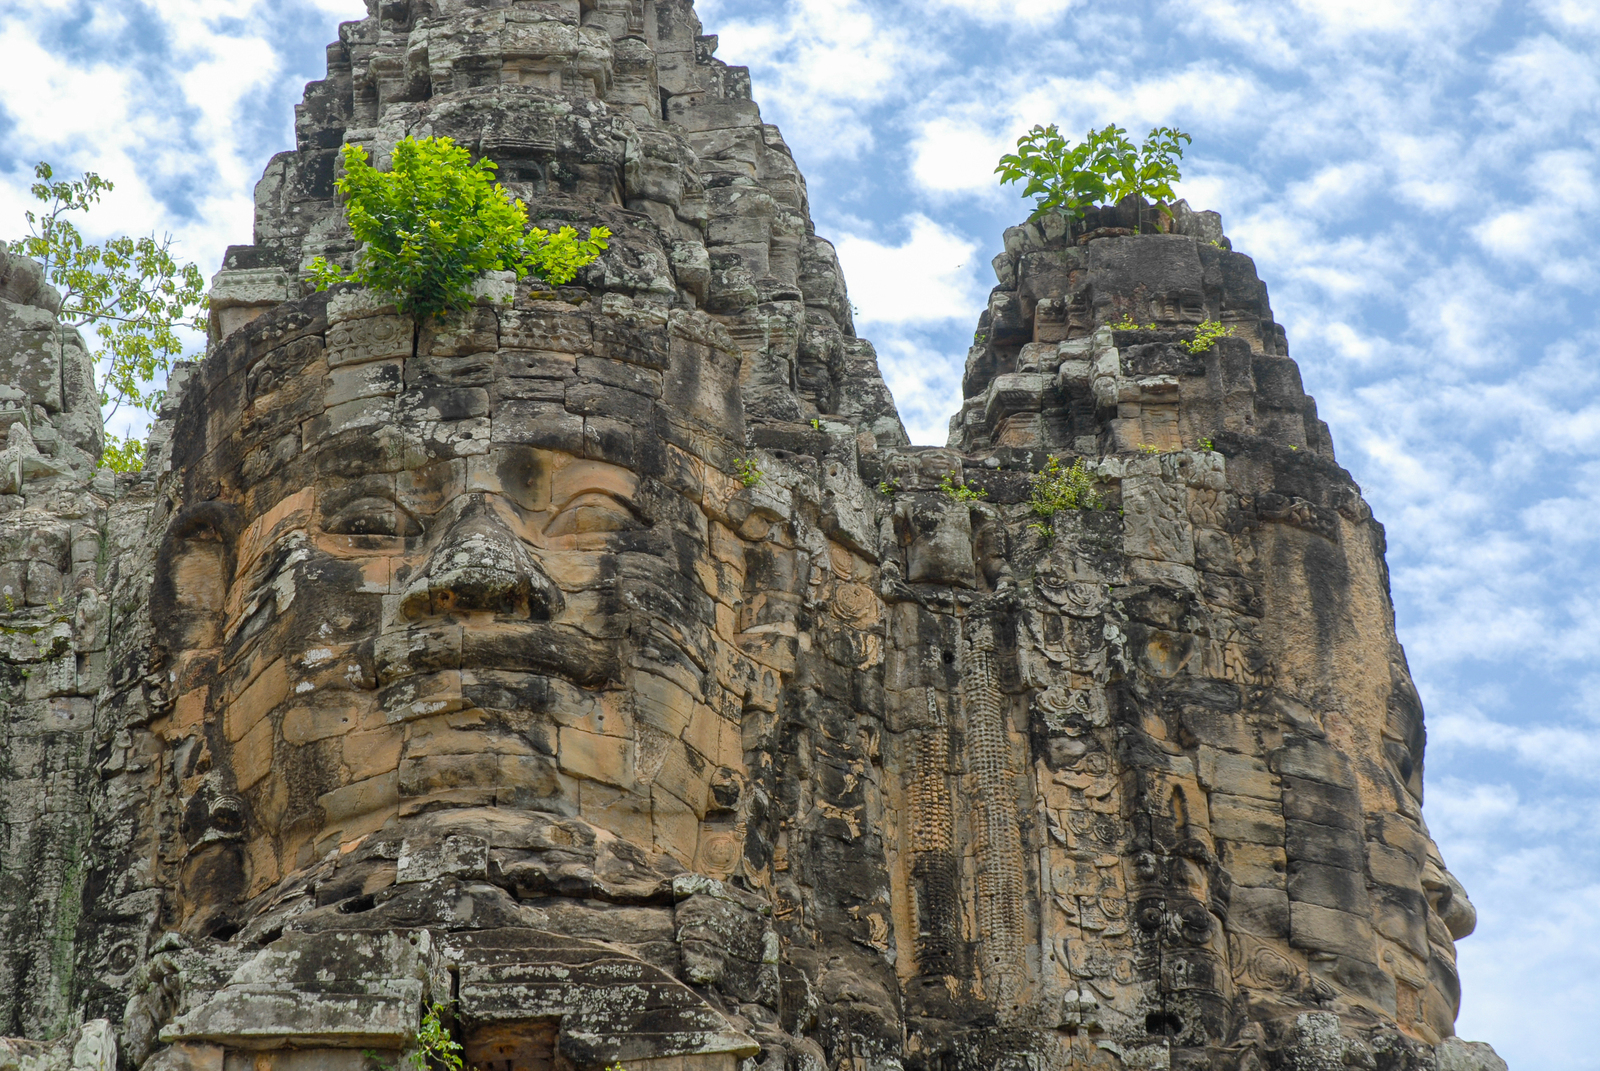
1416, 180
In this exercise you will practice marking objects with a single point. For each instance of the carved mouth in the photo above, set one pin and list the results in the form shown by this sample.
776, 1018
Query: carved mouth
403, 656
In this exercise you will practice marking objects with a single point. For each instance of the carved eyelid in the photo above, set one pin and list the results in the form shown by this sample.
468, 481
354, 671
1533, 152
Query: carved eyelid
592, 499
370, 501
594, 496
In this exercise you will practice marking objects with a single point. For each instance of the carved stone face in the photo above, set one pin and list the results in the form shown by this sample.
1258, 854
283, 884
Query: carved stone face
460, 593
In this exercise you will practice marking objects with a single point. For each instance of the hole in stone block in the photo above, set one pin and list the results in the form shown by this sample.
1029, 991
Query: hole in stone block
356, 905
1163, 1024
226, 931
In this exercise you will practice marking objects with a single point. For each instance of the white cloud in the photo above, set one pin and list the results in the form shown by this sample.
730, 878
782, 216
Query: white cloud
929, 277
820, 65
926, 384
1580, 15
954, 155
1408, 18
1027, 12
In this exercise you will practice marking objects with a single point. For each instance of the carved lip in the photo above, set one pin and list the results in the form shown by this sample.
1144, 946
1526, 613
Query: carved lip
539, 647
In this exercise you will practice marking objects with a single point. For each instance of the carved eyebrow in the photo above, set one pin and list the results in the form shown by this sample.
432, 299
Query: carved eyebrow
343, 497
587, 479
587, 498
406, 522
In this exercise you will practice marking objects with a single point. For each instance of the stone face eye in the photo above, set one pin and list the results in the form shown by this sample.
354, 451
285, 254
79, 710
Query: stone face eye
593, 513
372, 515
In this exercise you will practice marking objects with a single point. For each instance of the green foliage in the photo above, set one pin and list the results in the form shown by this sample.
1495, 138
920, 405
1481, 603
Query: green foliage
123, 455
1056, 489
960, 492
1061, 177
1205, 336
1147, 171
749, 472
1066, 179
1149, 449
1208, 446
130, 290
434, 223
434, 1049
1129, 324
888, 488
816, 425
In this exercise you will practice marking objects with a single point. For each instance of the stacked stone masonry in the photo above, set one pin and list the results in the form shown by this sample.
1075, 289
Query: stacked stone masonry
457, 663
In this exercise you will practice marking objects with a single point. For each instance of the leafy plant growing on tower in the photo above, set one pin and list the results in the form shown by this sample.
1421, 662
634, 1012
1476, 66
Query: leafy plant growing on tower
1145, 172
1057, 489
960, 492
436, 221
1066, 179
748, 471
1205, 336
433, 1048
1061, 177
132, 291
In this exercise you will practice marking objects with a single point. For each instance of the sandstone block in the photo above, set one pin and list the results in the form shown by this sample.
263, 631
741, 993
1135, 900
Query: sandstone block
1237, 775
542, 424
1328, 886
1243, 818
1322, 929
607, 759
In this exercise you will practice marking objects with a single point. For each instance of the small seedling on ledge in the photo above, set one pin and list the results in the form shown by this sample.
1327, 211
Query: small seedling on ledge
960, 492
749, 472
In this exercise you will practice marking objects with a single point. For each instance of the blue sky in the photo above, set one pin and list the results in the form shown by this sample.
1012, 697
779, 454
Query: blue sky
1416, 179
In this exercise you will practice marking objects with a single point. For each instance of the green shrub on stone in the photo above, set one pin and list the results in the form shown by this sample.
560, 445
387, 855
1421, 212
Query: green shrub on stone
1144, 173
960, 492
1067, 179
1061, 177
434, 1049
748, 470
436, 222
1205, 336
1056, 489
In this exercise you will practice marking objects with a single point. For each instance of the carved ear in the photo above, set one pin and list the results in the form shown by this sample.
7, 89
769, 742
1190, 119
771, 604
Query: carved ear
195, 566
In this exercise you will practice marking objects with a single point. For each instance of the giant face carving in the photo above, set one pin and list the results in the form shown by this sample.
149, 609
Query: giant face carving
433, 580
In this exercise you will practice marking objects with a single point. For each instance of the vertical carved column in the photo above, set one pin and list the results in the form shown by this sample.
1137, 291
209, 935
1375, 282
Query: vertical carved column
934, 873
997, 835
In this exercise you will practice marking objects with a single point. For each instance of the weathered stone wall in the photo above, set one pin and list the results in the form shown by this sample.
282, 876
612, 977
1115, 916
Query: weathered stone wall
54, 618
461, 662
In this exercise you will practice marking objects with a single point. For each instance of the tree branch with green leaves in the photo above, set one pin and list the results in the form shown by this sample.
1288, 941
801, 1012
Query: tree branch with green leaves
436, 221
132, 291
1066, 179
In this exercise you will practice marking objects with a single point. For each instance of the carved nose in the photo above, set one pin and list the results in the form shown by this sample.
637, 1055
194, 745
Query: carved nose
481, 566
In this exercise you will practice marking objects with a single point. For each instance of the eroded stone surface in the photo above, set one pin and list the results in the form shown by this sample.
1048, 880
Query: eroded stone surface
456, 662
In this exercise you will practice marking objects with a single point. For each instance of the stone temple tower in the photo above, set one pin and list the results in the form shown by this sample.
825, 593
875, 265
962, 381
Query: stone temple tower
603, 668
